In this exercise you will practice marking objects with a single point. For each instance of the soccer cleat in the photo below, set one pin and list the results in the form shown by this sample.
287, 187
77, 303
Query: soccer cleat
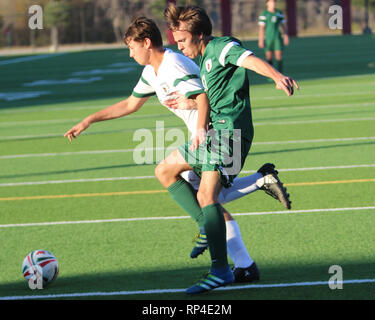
249, 274
201, 245
211, 281
273, 186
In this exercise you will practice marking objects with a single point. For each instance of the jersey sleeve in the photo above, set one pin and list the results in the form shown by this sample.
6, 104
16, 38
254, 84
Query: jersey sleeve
262, 19
187, 78
231, 52
281, 17
143, 88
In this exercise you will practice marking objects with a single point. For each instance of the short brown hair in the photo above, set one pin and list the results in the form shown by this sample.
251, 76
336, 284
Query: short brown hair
142, 28
196, 19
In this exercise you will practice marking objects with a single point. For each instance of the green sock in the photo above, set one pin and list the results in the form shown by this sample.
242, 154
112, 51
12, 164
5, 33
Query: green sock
216, 234
279, 65
184, 194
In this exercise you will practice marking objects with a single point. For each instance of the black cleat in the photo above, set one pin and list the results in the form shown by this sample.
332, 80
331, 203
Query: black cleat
249, 274
273, 186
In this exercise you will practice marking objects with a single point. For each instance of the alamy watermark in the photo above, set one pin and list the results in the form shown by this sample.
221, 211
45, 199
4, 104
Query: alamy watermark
336, 20
222, 147
36, 17
336, 280
36, 280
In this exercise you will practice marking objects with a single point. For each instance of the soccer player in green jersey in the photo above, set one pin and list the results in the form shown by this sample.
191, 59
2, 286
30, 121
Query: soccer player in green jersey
221, 156
272, 34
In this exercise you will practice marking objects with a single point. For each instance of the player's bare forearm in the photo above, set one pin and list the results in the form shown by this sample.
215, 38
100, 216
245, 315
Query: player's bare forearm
203, 106
118, 110
261, 37
263, 68
115, 111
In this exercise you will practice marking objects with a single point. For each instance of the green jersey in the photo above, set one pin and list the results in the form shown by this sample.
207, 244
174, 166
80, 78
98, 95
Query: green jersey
272, 22
227, 85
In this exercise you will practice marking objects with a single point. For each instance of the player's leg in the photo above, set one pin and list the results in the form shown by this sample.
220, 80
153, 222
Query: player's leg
266, 179
241, 187
207, 212
245, 269
279, 60
278, 49
214, 226
168, 173
269, 56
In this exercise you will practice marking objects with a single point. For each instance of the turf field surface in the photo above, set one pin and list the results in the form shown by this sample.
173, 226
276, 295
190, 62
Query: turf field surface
118, 235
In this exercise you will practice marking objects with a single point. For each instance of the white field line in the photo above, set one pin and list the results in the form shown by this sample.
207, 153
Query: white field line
59, 121
316, 95
353, 106
179, 290
55, 154
49, 109
31, 183
31, 155
36, 122
43, 224
266, 123
31, 58
267, 109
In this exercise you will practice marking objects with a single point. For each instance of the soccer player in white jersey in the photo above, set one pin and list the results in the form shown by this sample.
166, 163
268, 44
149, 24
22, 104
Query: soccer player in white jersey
174, 77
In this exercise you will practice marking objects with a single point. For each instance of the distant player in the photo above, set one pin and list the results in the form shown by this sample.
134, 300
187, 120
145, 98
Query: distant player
272, 34
169, 75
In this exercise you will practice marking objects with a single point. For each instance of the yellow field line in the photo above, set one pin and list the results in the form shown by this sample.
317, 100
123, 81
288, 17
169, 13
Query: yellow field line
125, 193
328, 182
82, 195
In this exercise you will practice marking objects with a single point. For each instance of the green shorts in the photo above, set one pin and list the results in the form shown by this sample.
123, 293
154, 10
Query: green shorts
224, 151
274, 44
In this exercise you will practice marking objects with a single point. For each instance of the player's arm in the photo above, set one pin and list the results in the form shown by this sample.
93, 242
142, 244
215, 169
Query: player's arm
261, 36
262, 28
263, 68
118, 110
179, 101
203, 107
284, 32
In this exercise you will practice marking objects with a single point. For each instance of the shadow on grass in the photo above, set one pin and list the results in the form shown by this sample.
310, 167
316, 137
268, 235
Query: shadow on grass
180, 279
128, 165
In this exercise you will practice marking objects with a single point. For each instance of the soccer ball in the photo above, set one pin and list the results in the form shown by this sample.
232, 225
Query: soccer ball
40, 268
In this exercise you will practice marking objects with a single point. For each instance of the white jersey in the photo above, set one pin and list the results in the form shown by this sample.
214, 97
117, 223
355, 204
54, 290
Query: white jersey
176, 73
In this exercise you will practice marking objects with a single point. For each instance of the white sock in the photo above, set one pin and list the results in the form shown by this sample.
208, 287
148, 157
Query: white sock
241, 187
235, 246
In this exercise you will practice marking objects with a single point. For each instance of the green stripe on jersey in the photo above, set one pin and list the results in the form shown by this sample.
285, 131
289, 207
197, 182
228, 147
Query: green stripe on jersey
144, 80
142, 95
191, 93
187, 77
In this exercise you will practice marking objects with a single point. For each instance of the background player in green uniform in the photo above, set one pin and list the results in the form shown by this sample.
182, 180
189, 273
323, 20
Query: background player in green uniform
227, 88
272, 34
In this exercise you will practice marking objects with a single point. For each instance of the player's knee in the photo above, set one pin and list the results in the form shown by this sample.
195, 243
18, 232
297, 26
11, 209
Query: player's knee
160, 172
204, 198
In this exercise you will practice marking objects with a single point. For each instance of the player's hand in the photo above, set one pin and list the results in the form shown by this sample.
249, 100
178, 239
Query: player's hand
179, 101
286, 84
286, 40
261, 44
198, 139
76, 130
